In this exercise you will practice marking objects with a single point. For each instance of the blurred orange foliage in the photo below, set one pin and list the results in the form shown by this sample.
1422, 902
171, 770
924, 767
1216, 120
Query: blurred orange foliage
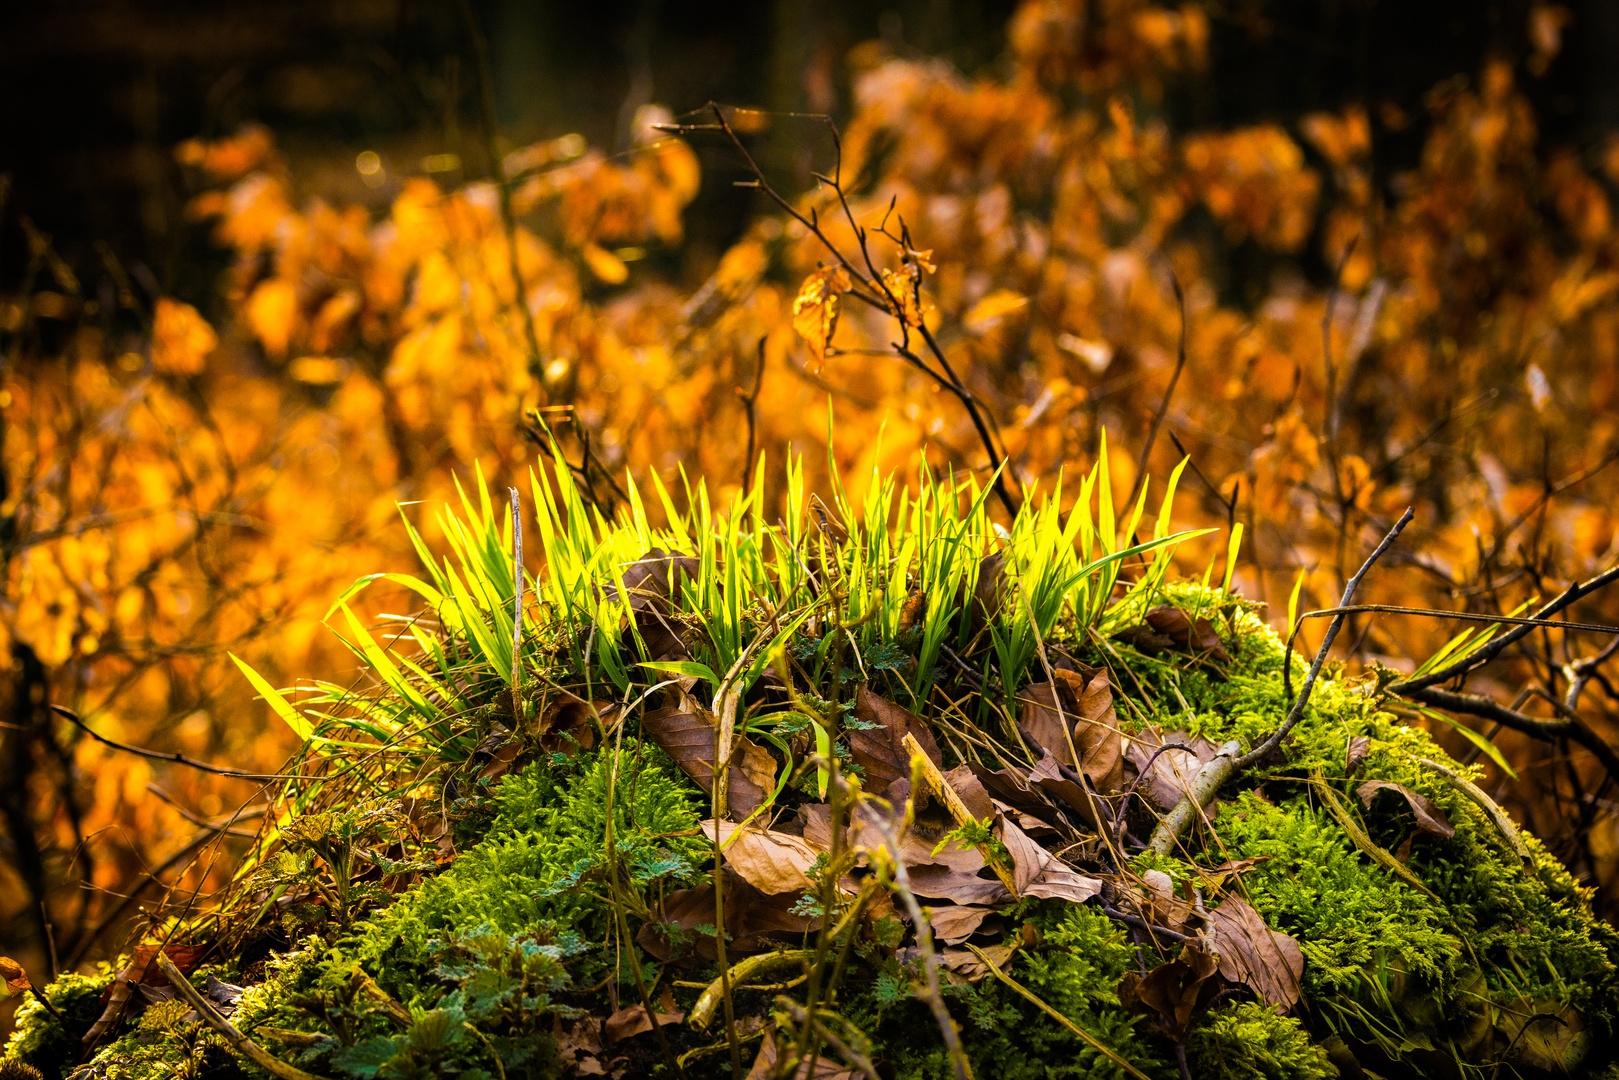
217, 487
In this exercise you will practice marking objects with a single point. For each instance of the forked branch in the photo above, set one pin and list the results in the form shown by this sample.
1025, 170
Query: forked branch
1228, 762
870, 288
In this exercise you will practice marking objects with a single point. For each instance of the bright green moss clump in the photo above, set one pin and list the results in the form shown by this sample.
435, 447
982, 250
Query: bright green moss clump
537, 861
39, 1040
1248, 1041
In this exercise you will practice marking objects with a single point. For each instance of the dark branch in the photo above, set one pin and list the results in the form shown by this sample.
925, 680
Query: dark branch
1494, 648
1260, 752
158, 755
1163, 406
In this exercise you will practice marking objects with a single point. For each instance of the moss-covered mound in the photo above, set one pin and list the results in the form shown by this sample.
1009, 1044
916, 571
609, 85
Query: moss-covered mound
943, 746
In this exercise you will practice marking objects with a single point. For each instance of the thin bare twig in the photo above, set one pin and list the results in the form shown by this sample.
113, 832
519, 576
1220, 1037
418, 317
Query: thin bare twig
503, 187
1542, 729
869, 287
1489, 651
1263, 750
238, 1042
158, 755
1163, 406
929, 991
1467, 616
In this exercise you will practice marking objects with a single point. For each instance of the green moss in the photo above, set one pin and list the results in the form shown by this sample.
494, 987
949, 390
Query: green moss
162, 1042
541, 860
1075, 968
39, 1040
1349, 915
1248, 1041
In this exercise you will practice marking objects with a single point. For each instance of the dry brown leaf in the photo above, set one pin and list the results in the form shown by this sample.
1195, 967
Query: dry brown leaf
754, 921
955, 923
1059, 881
1217, 877
772, 862
1355, 756
579, 1045
496, 753
945, 883
141, 969
634, 1020
1061, 785
989, 594
1175, 991
569, 723
1037, 872
1430, 819
686, 733
764, 1066
964, 966
1268, 962
15, 978
1169, 776
1138, 897
974, 796
651, 582
1087, 705
1169, 628
880, 750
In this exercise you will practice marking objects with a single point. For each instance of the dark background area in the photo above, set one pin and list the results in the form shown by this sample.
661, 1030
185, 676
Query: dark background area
94, 94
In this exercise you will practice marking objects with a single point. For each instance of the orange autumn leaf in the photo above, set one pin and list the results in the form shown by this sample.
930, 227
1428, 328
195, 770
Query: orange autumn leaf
181, 338
14, 976
815, 309
271, 311
608, 268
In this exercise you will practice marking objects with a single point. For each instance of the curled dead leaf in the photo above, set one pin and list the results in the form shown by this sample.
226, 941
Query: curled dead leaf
971, 791
1176, 991
1355, 755
569, 723
1037, 872
815, 308
1087, 705
962, 966
826, 1067
13, 975
1430, 819
634, 1020
772, 862
683, 922
1268, 962
142, 969
955, 923
880, 750
1166, 628
686, 733
651, 582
